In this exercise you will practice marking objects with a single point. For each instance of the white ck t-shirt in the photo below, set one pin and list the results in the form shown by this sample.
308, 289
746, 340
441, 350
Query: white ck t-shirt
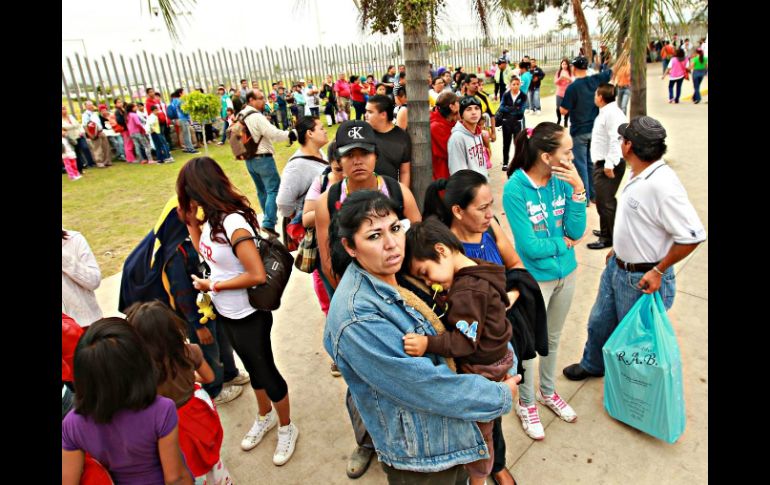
653, 214
225, 265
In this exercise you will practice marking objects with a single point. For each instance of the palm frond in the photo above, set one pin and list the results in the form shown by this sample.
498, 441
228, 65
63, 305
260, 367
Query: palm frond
170, 10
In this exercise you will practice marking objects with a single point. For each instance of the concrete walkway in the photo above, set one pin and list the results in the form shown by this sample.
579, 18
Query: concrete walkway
594, 450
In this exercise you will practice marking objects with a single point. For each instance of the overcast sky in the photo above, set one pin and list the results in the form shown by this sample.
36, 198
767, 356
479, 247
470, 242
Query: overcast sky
125, 26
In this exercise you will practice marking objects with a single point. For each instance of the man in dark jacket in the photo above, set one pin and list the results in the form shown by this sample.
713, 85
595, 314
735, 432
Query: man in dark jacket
159, 268
534, 87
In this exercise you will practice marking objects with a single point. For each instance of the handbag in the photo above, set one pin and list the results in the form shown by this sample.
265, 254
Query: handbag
277, 261
307, 252
643, 371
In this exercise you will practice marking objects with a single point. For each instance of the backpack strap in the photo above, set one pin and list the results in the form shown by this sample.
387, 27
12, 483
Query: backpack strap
325, 178
335, 191
235, 243
395, 192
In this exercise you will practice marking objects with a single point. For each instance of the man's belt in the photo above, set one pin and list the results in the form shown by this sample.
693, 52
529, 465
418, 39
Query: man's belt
635, 267
263, 155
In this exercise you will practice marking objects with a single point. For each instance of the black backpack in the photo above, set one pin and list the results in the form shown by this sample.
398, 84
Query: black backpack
394, 189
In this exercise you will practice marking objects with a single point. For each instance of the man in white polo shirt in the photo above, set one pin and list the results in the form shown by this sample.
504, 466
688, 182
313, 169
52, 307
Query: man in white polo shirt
609, 166
656, 226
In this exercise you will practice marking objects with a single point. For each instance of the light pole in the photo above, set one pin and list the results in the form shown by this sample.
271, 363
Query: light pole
82, 42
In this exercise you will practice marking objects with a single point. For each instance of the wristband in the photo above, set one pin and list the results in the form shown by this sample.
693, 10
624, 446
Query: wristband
655, 268
213, 287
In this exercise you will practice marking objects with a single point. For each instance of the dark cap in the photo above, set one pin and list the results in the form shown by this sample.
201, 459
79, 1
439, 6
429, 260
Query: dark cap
466, 101
580, 62
502, 60
642, 130
355, 134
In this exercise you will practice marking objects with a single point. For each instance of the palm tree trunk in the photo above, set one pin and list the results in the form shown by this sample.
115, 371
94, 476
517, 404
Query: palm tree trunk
639, 33
416, 52
582, 26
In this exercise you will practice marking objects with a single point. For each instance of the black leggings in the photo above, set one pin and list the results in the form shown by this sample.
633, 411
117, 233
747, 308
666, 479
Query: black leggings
250, 337
510, 130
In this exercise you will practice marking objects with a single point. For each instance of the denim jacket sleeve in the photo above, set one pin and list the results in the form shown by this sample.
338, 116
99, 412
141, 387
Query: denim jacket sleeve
373, 348
181, 288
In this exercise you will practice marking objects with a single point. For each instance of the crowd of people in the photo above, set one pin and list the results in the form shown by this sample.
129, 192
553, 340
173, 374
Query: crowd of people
434, 317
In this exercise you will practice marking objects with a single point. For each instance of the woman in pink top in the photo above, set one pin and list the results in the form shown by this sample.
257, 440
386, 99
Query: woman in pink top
561, 80
677, 70
138, 133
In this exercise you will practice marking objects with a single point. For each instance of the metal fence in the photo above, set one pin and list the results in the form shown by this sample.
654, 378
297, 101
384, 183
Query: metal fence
127, 76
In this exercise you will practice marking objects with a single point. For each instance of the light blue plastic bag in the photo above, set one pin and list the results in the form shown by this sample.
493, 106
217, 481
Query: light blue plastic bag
643, 372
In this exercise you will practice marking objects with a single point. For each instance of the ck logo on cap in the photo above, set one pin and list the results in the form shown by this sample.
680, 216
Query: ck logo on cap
355, 133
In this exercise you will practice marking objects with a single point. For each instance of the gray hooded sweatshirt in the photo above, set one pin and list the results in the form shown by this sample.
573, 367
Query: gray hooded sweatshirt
466, 150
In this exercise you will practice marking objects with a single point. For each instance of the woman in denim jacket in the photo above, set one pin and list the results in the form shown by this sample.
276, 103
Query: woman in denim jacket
420, 414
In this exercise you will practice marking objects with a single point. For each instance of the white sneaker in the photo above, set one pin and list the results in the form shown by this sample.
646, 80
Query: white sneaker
227, 394
530, 421
558, 405
239, 380
287, 440
261, 426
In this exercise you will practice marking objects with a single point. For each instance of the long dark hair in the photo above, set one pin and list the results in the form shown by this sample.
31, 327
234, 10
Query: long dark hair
113, 371
460, 189
558, 73
546, 137
680, 54
202, 180
163, 334
359, 206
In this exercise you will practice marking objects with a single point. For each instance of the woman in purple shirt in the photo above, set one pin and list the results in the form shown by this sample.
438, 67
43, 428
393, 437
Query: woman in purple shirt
118, 418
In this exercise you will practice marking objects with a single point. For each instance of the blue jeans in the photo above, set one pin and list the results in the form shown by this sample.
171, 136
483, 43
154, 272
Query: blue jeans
161, 149
184, 127
697, 78
265, 175
534, 99
224, 132
581, 148
117, 145
219, 356
618, 292
665, 65
83, 154
678, 84
624, 94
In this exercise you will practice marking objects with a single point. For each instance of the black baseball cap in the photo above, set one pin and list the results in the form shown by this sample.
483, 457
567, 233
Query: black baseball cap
580, 62
355, 134
642, 130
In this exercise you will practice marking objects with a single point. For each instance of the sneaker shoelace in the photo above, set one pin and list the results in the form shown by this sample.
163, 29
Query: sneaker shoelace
259, 425
284, 440
532, 416
557, 401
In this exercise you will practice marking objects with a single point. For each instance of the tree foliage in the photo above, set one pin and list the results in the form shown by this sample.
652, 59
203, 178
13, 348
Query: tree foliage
201, 107
385, 16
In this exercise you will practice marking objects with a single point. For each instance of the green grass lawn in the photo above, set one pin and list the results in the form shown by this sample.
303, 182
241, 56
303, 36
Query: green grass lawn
115, 207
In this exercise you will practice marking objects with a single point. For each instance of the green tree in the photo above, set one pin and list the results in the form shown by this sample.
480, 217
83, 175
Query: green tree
202, 108
418, 18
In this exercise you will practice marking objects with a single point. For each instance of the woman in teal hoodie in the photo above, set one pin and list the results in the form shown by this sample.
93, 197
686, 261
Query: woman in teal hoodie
545, 202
